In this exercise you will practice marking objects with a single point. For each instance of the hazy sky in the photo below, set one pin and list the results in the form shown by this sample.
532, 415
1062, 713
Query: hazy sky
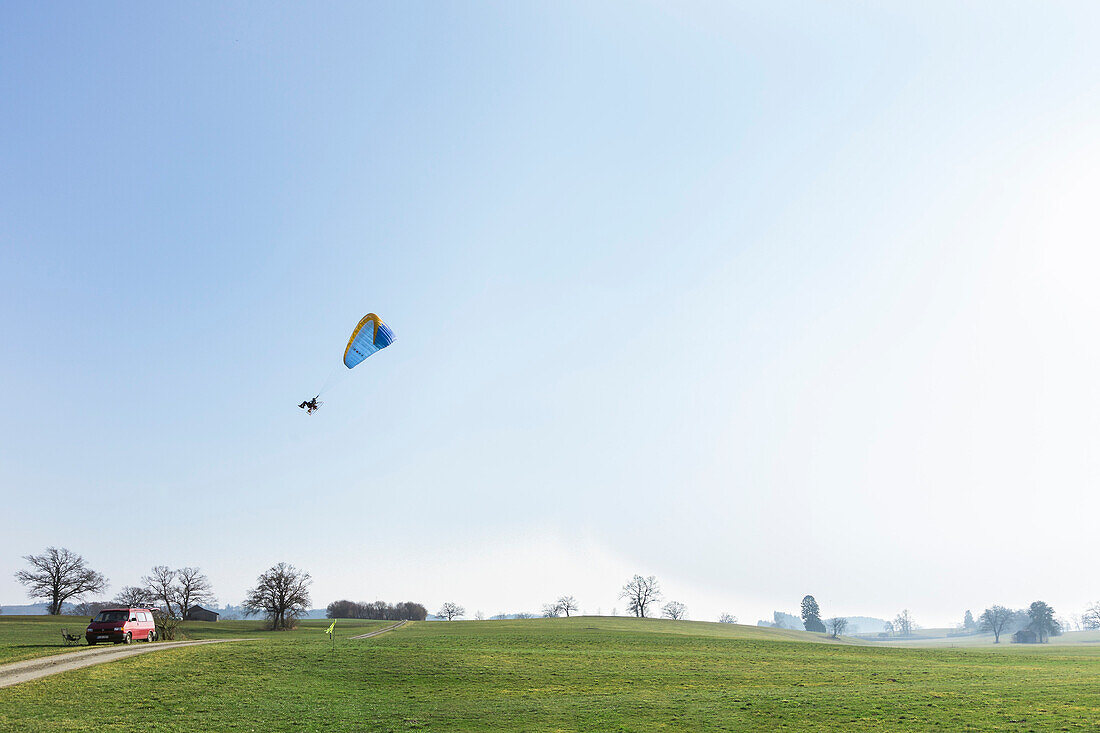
763, 299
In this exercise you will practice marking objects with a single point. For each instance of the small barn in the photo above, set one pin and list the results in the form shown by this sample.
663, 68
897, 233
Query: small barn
198, 613
1025, 636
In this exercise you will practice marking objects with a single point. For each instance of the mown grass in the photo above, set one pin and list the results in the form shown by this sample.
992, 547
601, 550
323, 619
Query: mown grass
581, 674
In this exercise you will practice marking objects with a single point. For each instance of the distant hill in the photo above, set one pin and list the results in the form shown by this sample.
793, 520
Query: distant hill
34, 609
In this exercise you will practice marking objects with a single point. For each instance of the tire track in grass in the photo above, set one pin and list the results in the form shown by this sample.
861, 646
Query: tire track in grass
380, 631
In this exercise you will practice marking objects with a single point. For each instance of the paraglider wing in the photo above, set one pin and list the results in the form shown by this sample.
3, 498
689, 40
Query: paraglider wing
370, 336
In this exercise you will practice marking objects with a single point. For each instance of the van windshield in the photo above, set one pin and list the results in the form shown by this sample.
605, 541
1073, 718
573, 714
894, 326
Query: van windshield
109, 616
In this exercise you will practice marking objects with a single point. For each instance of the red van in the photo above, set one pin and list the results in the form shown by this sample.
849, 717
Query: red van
121, 625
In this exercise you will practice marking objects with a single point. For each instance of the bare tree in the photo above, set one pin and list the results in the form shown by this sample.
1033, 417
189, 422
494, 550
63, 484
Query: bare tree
995, 619
551, 610
888, 628
837, 625
134, 596
640, 593
282, 593
568, 605
674, 610
161, 584
192, 588
521, 614
1090, 619
90, 608
58, 575
727, 618
904, 623
479, 616
450, 611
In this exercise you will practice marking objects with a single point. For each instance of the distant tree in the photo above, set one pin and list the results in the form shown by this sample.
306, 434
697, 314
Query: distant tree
524, 614
568, 605
58, 575
1042, 620
1090, 619
811, 615
161, 584
674, 610
90, 608
409, 611
904, 623
782, 620
479, 616
727, 618
640, 593
888, 628
551, 610
281, 593
134, 596
192, 588
995, 620
837, 625
342, 609
968, 621
450, 611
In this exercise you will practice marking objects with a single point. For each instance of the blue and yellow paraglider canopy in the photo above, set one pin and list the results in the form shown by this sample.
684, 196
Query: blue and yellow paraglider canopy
369, 337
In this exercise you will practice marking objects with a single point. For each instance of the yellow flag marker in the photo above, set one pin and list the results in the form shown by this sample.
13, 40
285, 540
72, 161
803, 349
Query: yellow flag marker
332, 628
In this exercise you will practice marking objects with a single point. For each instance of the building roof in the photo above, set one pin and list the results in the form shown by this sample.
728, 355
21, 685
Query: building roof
197, 607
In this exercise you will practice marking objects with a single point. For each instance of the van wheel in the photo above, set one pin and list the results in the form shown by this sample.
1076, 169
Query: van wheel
151, 636
128, 638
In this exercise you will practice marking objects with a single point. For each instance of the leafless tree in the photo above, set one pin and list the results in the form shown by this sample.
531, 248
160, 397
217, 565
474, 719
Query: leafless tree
551, 610
568, 605
58, 575
90, 608
192, 588
996, 619
904, 623
161, 584
282, 594
640, 593
674, 610
522, 614
1090, 619
134, 596
479, 616
450, 611
837, 625
727, 618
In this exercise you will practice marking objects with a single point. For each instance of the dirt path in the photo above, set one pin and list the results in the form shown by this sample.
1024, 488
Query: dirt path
380, 631
32, 669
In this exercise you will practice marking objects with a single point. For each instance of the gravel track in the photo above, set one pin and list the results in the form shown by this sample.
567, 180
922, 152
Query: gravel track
32, 669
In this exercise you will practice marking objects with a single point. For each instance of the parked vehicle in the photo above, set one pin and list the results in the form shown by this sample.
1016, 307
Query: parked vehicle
121, 626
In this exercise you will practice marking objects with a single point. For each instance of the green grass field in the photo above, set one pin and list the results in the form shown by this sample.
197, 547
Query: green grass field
580, 674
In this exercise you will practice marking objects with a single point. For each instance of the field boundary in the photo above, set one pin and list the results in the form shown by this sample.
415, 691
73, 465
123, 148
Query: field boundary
380, 631
32, 669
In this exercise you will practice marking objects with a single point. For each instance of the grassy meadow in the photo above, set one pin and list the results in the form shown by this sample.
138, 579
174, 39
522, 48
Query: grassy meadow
579, 674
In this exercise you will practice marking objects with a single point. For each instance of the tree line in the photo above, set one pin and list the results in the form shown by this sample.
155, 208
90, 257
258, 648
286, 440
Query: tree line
404, 611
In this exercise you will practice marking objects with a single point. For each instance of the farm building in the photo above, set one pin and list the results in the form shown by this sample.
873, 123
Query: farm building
1025, 636
198, 613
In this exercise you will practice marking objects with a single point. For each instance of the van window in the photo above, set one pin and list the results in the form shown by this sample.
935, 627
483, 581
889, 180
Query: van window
145, 616
112, 616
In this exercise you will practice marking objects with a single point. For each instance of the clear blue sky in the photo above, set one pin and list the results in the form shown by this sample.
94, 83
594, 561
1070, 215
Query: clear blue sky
764, 299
